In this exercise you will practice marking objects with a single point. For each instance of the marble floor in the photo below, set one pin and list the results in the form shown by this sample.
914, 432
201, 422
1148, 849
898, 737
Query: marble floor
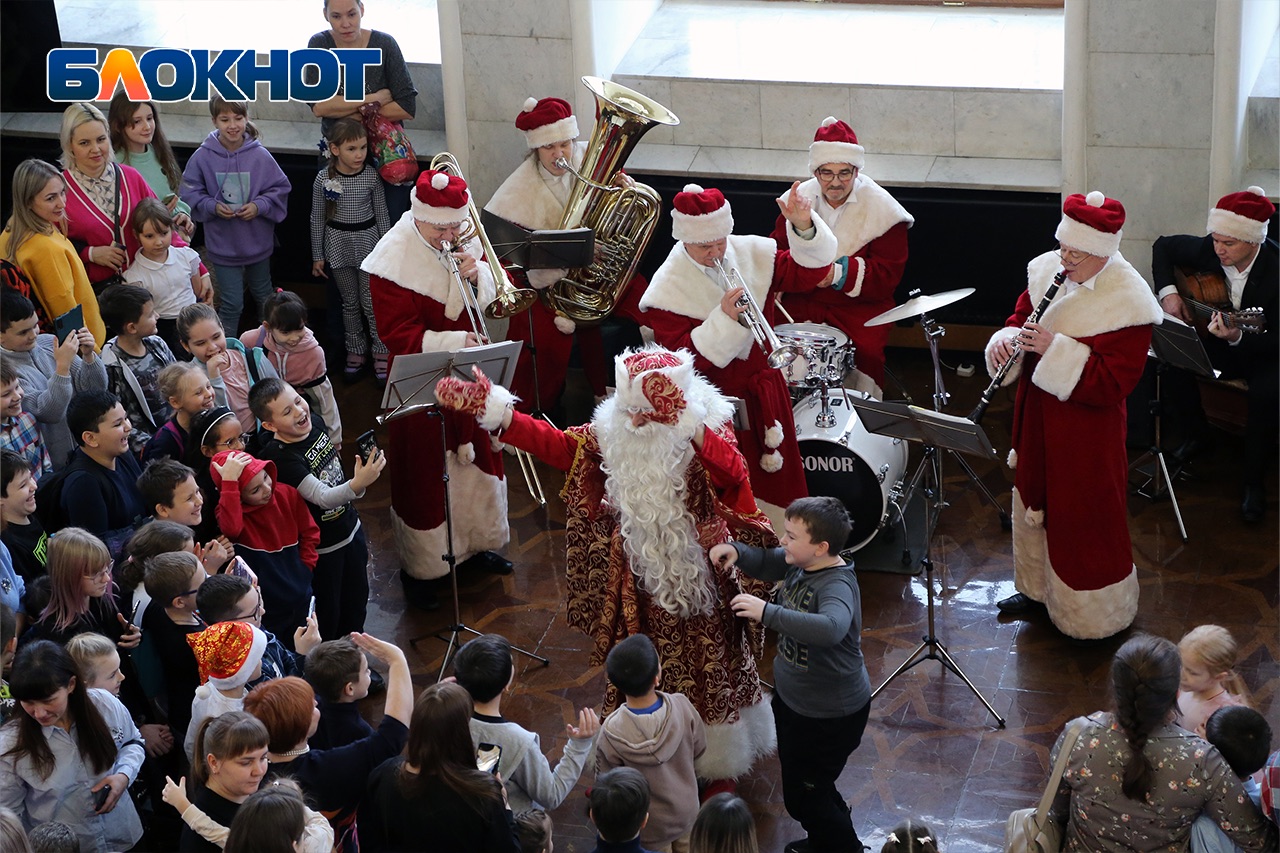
931, 750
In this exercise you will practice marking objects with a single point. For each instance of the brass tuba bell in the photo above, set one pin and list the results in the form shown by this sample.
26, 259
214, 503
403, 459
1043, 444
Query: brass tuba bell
623, 218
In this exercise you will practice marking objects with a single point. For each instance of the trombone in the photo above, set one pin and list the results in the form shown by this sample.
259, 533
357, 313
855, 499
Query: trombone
778, 354
510, 299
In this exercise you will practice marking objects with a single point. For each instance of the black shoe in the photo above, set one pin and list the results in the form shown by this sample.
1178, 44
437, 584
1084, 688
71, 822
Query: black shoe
1191, 448
377, 684
1017, 604
419, 593
800, 845
487, 561
1254, 505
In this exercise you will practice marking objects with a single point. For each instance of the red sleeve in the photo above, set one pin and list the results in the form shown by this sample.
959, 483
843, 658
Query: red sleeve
308, 531
674, 331
536, 436
400, 324
728, 470
229, 514
779, 234
790, 277
883, 260
1115, 365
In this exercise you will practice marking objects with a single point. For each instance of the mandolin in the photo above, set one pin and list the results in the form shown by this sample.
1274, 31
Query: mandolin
1206, 292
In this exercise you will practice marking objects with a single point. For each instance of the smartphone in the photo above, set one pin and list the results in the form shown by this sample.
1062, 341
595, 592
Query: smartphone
68, 323
311, 608
239, 568
100, 797
487, 757
368, 446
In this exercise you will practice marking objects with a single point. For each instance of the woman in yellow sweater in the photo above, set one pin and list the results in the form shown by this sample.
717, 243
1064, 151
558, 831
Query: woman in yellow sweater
34, 238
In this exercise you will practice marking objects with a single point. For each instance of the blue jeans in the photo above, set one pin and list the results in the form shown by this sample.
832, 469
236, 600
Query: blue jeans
229, 285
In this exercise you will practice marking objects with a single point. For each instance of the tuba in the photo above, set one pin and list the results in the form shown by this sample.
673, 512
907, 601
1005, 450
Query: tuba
623, 218
510, 300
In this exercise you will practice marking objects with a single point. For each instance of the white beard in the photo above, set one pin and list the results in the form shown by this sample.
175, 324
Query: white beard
644, 472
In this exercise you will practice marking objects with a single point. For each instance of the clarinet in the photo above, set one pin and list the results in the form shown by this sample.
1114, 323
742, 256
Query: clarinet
1034, 317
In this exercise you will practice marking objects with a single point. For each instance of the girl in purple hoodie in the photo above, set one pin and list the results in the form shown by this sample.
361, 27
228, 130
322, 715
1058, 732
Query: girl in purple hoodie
236, 188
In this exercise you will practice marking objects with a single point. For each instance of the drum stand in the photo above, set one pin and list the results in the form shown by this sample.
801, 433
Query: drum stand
932, 332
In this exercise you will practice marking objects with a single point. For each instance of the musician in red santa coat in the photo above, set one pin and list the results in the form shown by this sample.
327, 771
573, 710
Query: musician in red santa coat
419, 307
690, 305
871, 235
1071, 545
654, 481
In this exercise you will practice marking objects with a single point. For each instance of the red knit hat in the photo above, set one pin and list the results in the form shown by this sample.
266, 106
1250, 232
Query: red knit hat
546, 121
1091, 223
228, 653
440, 199
835, 142
654, 380
1243, 215
700, 216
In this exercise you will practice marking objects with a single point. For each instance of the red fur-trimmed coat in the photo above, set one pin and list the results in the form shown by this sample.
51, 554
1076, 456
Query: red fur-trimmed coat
1071, 527
682, 306
419, 309
872, 233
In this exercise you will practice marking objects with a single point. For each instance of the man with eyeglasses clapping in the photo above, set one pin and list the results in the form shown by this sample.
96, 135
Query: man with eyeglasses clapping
871, 234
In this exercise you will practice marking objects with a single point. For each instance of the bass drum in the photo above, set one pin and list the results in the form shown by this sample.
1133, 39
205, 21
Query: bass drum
845, 461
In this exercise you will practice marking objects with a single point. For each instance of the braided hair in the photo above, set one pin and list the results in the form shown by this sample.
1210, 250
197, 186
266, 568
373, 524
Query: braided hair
1144, 682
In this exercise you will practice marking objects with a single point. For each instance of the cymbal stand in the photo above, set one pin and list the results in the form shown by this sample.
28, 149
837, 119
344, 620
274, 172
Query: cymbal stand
457, 626
1160, 480
932, 332
930, 647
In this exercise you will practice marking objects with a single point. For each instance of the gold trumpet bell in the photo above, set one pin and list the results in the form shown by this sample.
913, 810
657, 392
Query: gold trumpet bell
510, 301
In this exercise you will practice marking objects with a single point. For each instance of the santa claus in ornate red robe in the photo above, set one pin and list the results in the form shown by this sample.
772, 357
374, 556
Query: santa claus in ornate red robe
689, 305
871, 235
654, 481
1071, 545
419, 307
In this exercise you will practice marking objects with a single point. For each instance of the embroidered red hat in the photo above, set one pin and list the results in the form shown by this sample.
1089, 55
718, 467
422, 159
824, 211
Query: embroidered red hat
1243, 215
700, 216
546, 121
835, 142
654, 381
1091, 223
228, 653
440, 199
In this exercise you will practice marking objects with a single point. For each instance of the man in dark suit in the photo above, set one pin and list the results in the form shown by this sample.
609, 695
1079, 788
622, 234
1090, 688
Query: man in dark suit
1237, 247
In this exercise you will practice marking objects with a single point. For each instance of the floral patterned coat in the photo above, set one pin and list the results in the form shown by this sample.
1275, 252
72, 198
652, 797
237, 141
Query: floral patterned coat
1191, 778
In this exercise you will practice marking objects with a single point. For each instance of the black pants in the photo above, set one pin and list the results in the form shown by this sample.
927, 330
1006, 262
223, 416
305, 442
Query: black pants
340, 584
813, 752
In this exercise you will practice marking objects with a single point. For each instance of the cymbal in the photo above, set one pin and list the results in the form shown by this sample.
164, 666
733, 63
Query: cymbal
922, 304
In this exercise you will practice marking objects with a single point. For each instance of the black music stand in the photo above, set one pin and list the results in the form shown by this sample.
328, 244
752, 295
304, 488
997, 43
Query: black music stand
934, 431
414, 377
1177, 345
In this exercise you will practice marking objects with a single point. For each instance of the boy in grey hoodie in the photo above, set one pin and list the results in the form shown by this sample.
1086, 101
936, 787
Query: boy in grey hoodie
484, 667
660, 735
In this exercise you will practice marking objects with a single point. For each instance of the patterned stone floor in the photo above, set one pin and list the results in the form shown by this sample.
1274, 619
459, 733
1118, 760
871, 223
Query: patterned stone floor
931, 750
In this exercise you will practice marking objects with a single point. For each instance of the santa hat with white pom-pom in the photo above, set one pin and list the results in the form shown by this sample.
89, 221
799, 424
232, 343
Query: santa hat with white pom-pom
1091, 223
546, 121
835, 142
700, 215
1242, 215
440, 199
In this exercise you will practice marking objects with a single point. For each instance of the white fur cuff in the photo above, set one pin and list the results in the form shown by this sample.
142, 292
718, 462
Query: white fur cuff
1061, 366
1007, 333
771, 462
816, 252
1013, 458
773, 435
495, 407
1035, 517
565, 325
856, 288
720, 339
542, 279
443, 341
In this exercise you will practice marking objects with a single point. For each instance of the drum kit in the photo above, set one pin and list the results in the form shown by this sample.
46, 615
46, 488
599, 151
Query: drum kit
864, 470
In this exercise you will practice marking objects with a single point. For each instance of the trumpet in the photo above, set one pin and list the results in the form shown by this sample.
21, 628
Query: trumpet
778, 354
510, 300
